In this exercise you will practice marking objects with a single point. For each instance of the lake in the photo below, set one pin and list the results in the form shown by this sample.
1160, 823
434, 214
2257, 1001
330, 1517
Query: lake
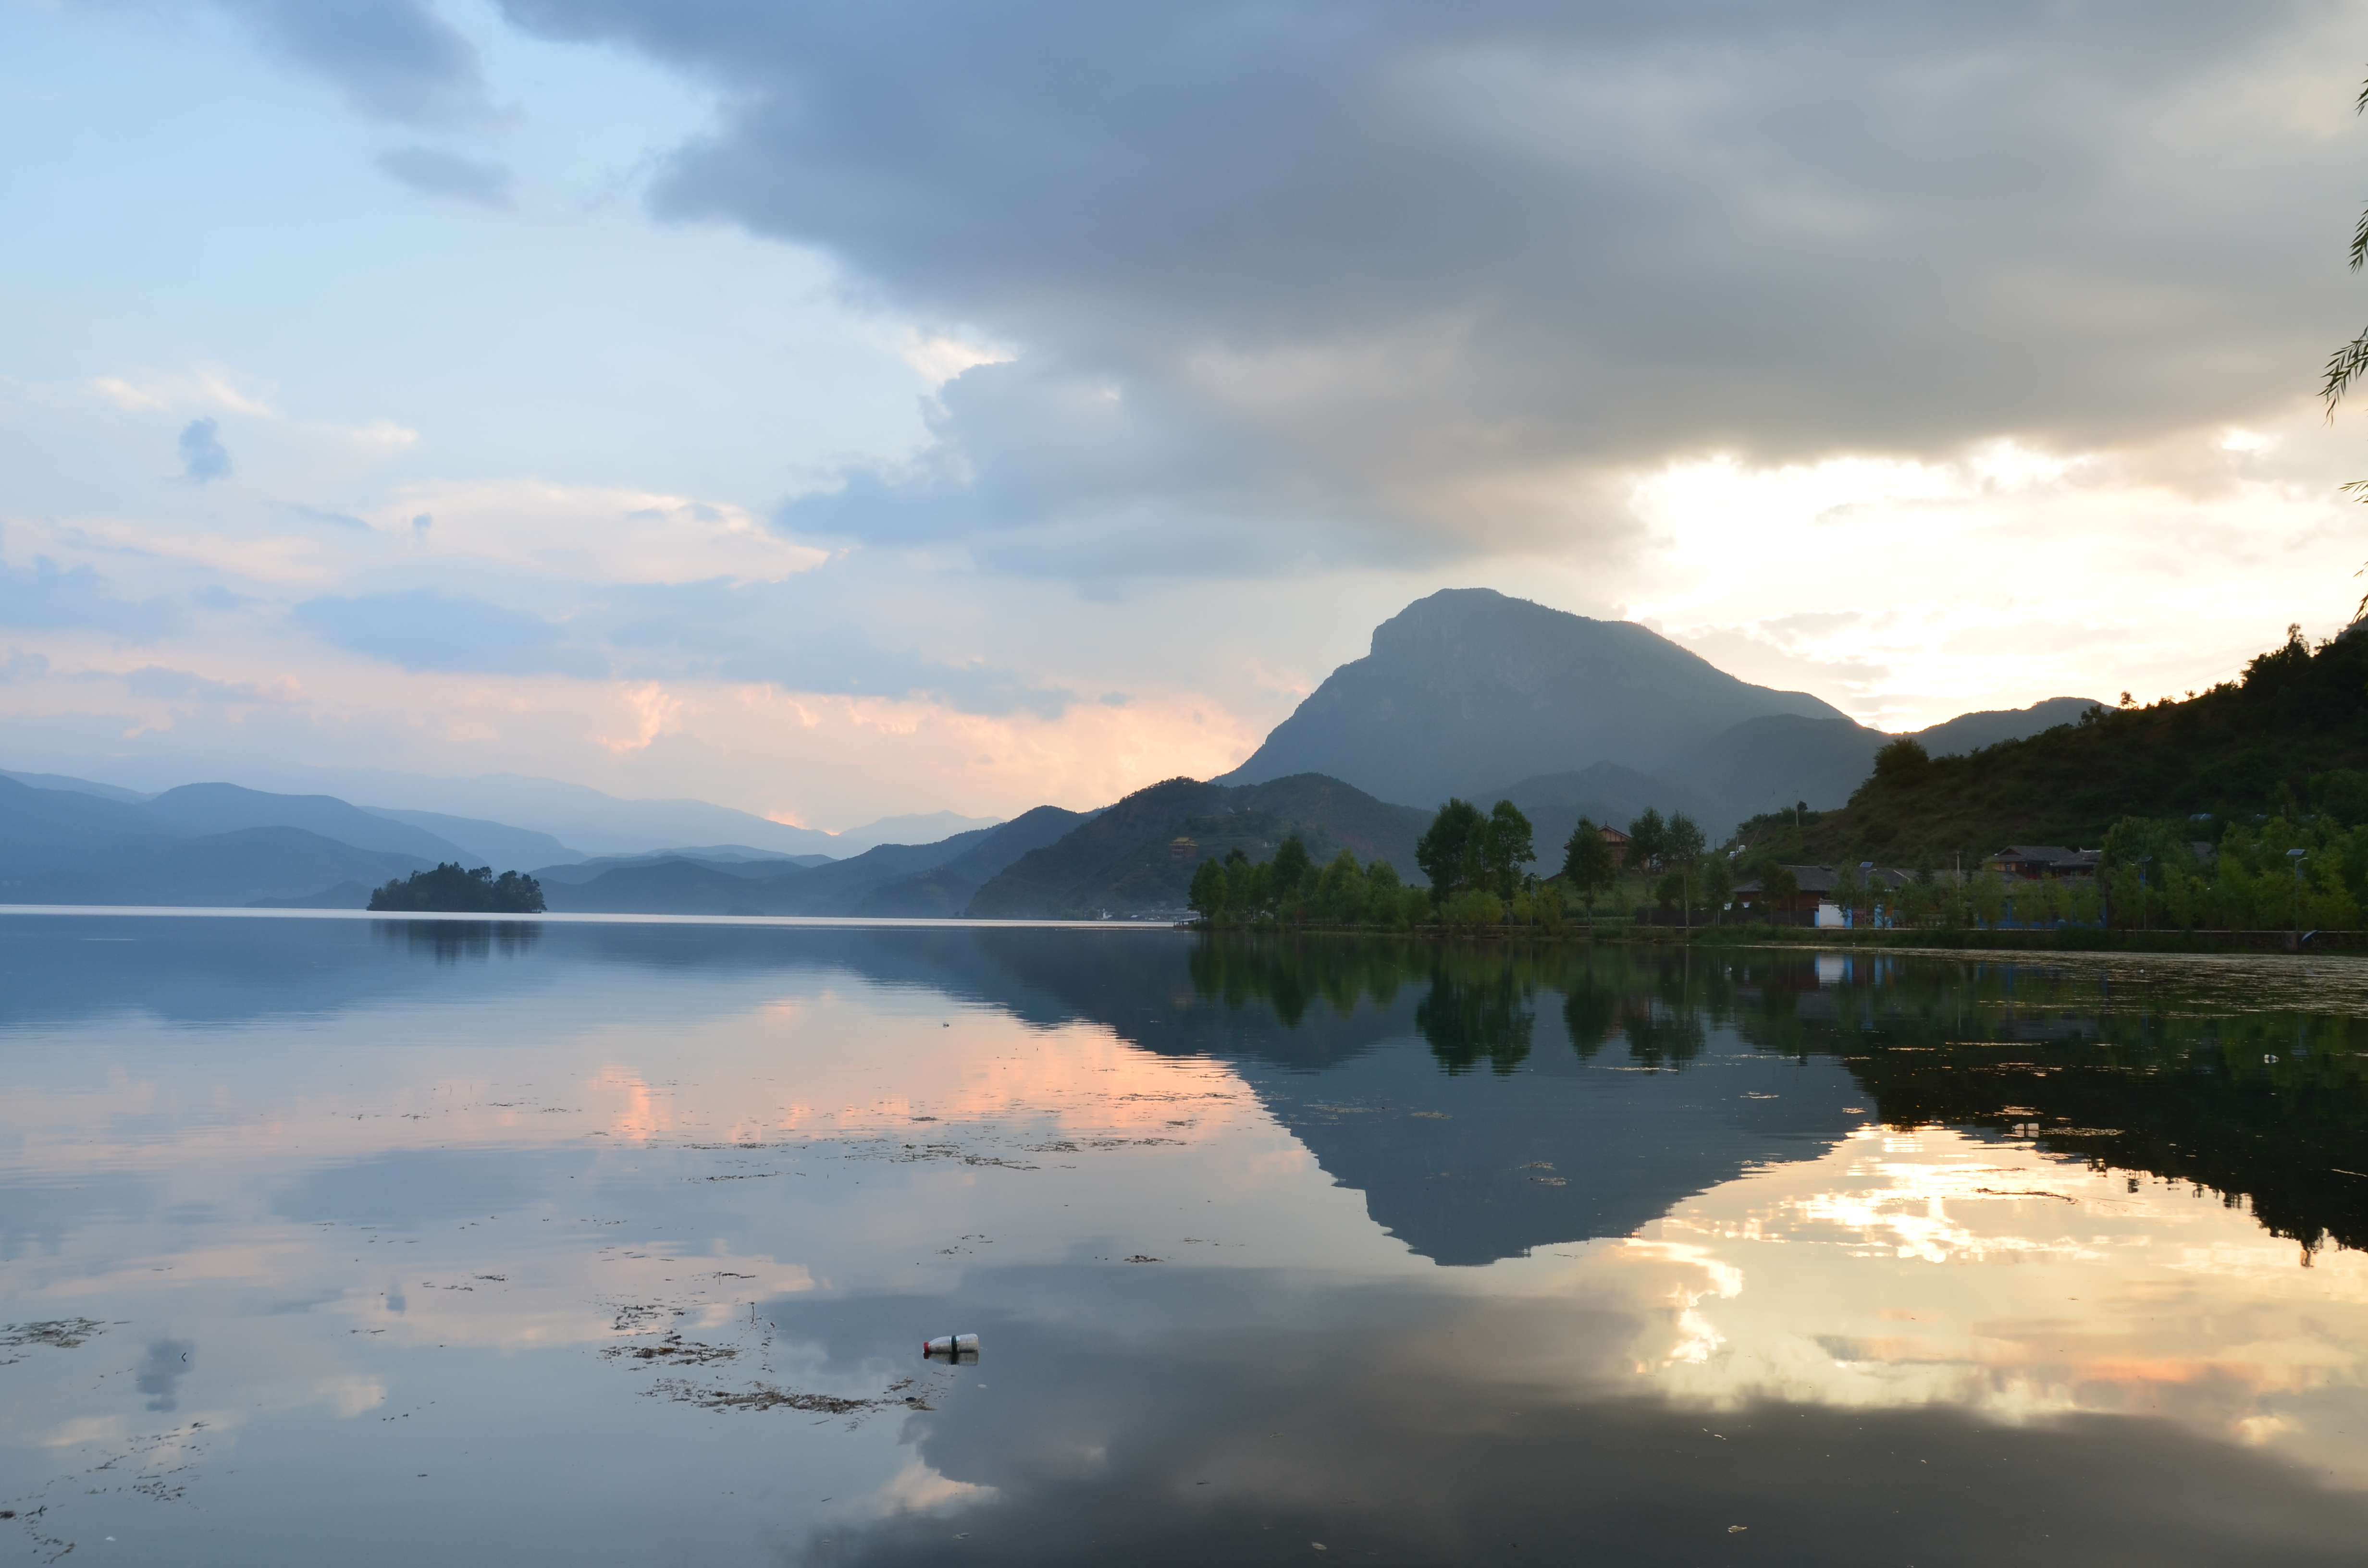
370, 1241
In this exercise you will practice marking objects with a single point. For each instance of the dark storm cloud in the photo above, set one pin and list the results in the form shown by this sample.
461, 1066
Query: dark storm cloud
1377, 277
393, 60
434, 173
203, 457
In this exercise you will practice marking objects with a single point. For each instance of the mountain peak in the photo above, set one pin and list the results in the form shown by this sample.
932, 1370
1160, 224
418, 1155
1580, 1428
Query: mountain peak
1469, 686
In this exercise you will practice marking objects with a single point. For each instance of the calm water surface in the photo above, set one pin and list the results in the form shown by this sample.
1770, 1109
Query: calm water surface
367, 1242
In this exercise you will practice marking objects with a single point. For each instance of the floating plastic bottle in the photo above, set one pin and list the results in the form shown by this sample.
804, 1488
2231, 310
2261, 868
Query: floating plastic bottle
952, 1347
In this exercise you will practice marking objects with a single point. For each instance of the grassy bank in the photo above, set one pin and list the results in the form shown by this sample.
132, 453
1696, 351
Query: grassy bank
2062, 940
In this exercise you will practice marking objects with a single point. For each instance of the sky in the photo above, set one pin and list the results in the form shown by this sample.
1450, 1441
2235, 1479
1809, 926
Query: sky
834, 411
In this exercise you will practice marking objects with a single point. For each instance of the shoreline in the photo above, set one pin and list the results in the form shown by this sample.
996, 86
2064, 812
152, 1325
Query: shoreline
2058, 940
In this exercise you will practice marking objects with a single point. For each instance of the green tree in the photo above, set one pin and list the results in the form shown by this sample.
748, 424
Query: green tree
1682, 848
1505, 847
1778, 886
1247, 885
1717, 883
1450, 850
1292, 874
1208, 895
1904, 761
2141, 856
1586, 863
1987, 894
1340, 890
1647, 841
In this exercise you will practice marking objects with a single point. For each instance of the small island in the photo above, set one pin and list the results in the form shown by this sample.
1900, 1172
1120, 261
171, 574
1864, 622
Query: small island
448, 890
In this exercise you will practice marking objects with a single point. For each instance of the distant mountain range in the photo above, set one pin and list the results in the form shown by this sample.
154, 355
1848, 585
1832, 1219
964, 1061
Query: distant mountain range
892, 880
567, 822
1466, 692
64, 840
65, 847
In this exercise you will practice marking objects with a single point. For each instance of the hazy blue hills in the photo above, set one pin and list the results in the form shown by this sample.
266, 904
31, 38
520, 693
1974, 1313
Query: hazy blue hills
947, 889
62, 846
733, 860
79, 786
71, 841
486, 843
225, 808
900, 879
583, 820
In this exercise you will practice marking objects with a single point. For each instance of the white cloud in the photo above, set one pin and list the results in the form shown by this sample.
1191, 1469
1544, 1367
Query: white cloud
590, 534
192, 389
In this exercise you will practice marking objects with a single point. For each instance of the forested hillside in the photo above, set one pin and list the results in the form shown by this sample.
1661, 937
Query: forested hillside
1126, 858
2289, 740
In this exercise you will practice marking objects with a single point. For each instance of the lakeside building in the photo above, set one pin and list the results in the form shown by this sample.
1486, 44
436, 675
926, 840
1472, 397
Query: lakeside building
1813, 900
2031, 861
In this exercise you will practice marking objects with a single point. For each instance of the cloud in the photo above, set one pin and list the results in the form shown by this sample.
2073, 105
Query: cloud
764, 633
759, 633
393, 60
1380, 282
50, 598
429, 630
16, 664
320, 514
165, 685
141, 392
203, 457
592, 534
434, 173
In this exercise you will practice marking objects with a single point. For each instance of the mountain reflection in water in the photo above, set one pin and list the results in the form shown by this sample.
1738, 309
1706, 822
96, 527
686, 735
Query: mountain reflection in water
612, 1241
2218, 1073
